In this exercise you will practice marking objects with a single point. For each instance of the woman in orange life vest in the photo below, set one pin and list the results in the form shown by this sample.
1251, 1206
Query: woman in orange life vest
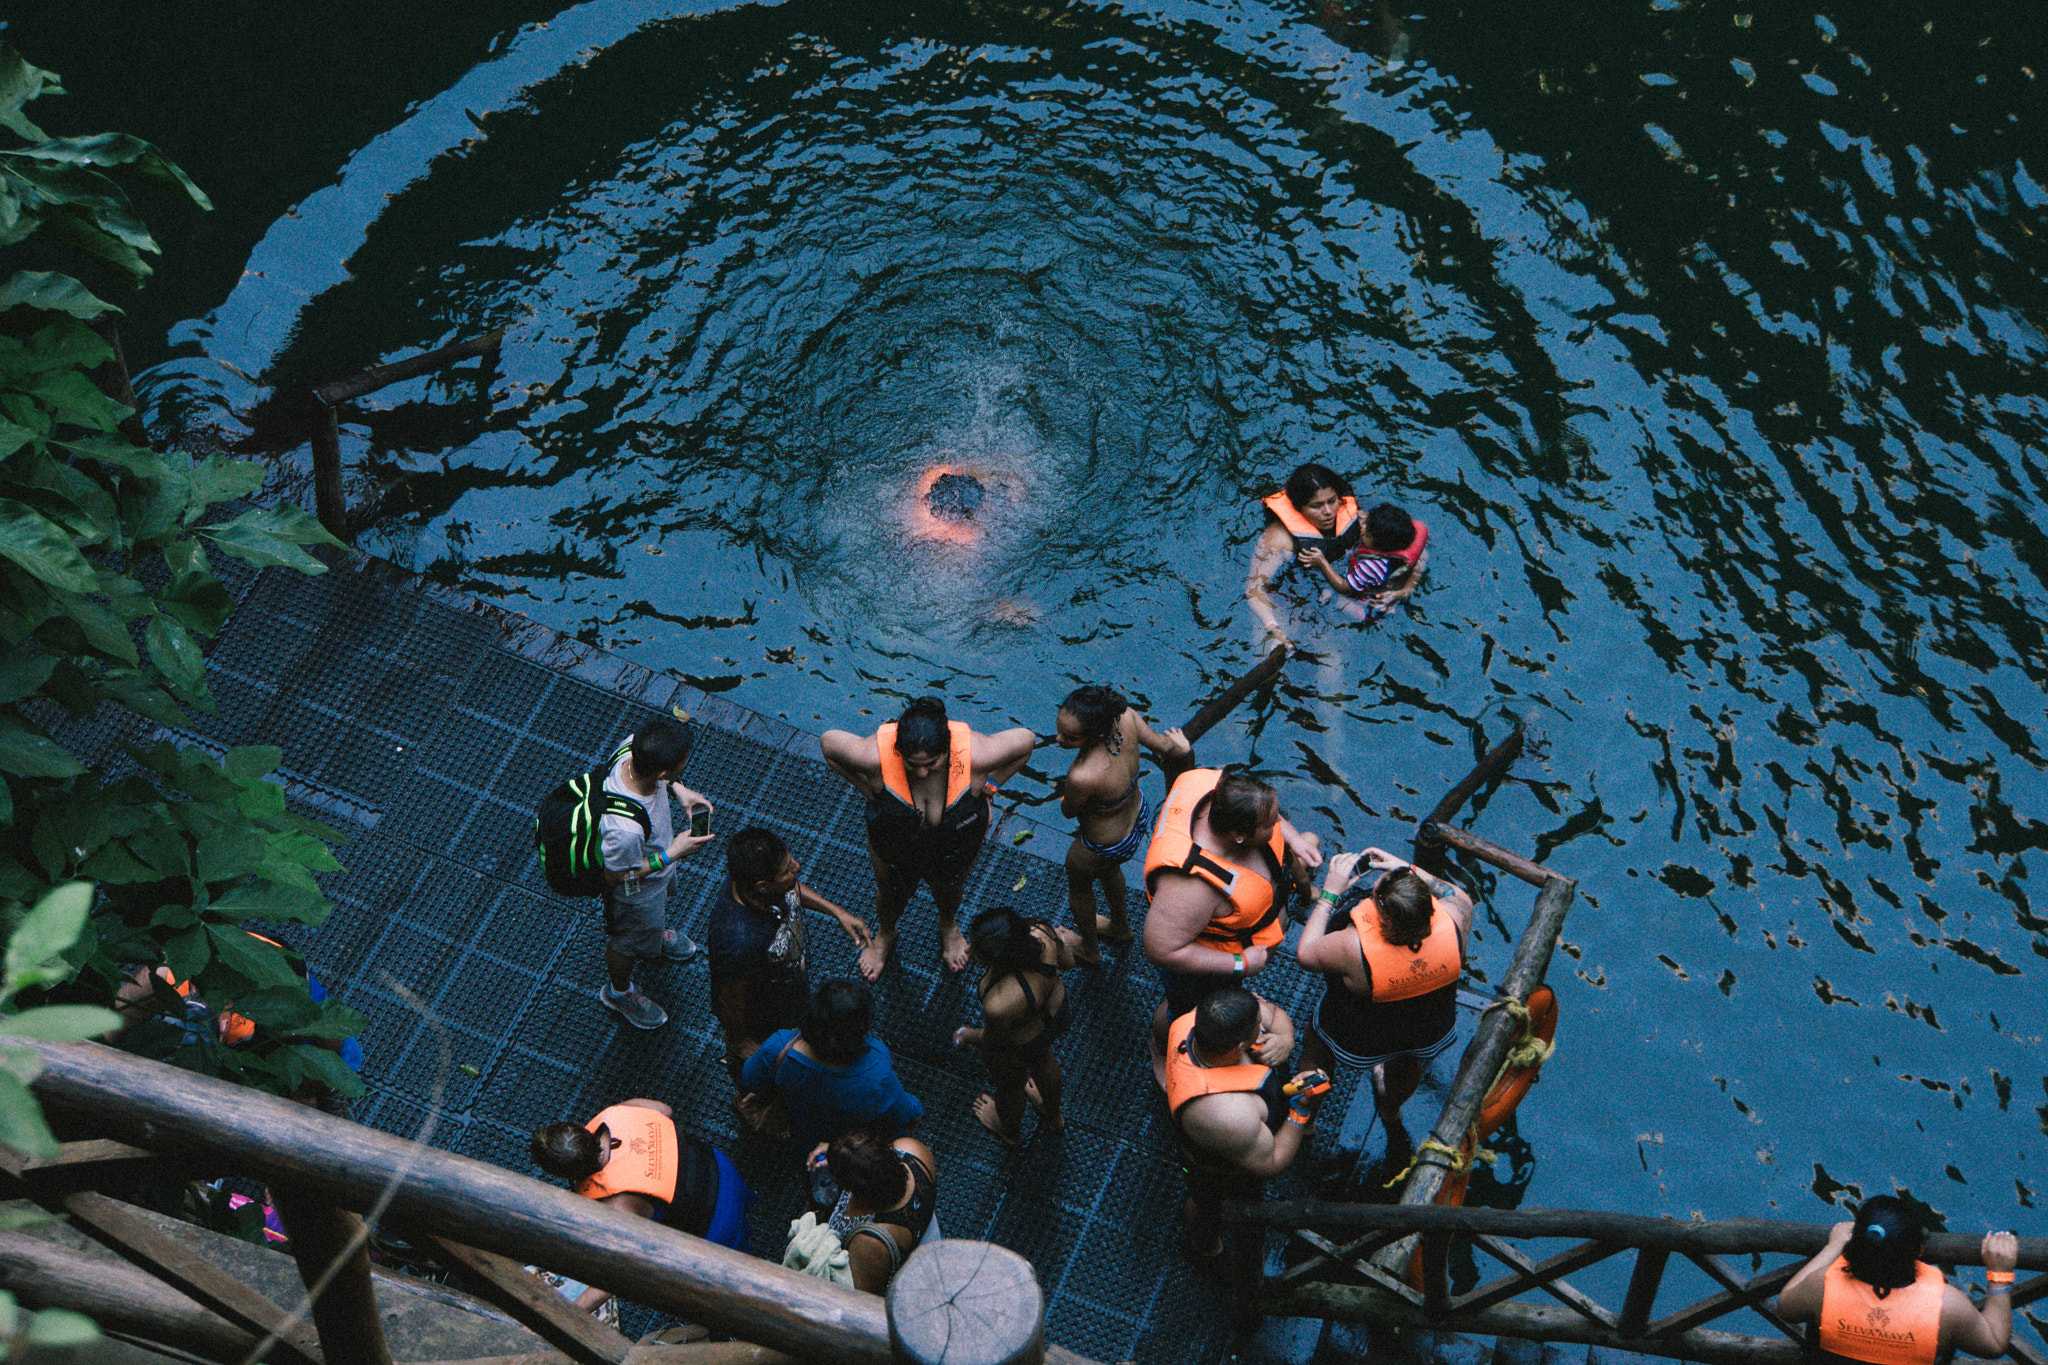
1101, 793
1315, 511
1873, 1300
1384, 570
631, 1157
1390, 998
928, 782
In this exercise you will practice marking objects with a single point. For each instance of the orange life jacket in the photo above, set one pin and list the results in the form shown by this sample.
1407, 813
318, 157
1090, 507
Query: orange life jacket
1406, 558
1343, 537
1400, 972
647, 1161
1254, 913
1187, 1081
1902, 1328
959, 763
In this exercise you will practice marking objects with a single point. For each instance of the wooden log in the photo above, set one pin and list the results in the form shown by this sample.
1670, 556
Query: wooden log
1226, 701
330, 503
1532, 1321
480, 1205
1514, 864
505, 1284
118, 1297
1643, 1283
332, 1248
1726, 1237
1489, 1048
691, 1353
95, 1160
1546, 1276
1429, 853
958, 1302
380, 376
125, 1232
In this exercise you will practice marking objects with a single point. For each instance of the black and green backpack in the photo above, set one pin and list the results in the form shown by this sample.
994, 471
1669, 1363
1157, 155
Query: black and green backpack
567, 832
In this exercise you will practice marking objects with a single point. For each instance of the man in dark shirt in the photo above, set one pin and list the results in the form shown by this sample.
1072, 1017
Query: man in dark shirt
760, 980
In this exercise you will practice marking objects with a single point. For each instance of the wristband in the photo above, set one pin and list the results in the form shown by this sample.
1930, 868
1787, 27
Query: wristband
656, 860
1296, 1116
1326, 894
1998, 1277
1237, 965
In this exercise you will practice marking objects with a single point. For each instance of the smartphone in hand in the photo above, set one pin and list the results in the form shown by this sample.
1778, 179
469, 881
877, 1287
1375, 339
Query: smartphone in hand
700, 821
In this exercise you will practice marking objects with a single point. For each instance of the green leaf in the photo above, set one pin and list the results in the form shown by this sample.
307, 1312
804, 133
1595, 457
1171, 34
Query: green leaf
19, 84
44, 935
24, 751
305, 850
22, 672
21, 1120
53, 293
261, 800
252, 761
198, 599
61, 1023
219, 479
66, 344
114, 865
330, 1070
186, 953
14, 437
40, 546
274, 904
58, 1327
246, 955
273, 536
117, 151
101, 630
230, 853
144, 699
173, 650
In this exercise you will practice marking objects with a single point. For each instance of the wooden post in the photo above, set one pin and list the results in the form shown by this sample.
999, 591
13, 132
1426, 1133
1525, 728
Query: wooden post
958, 1302
380, 376
1489, 1048
1514, 864
1435, 1249
1643, 1283
1428, 852
179, 1113
330, 503
332, 1248
1204, 720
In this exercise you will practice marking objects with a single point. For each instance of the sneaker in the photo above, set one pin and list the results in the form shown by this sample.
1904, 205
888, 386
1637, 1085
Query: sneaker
680, 947
633, 1007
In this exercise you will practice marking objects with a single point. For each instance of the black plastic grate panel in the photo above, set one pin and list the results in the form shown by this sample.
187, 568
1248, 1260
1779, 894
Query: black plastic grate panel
506, 690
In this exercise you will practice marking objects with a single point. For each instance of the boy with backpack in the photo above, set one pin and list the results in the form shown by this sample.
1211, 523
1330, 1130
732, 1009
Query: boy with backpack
608, 833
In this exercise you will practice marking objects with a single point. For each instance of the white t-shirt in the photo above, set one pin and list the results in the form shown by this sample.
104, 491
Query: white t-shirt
623, 846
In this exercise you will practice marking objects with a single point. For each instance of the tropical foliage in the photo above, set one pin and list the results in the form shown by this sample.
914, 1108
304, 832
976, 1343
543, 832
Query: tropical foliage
106, 592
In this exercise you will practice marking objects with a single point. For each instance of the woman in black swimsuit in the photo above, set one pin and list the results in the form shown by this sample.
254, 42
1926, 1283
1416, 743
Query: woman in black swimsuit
1024, 1010
889, 1192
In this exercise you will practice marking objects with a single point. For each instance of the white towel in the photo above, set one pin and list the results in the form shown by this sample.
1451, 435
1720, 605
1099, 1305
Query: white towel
814, 1249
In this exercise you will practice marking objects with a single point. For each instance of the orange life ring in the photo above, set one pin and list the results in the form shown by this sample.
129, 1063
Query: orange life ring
1498, 1108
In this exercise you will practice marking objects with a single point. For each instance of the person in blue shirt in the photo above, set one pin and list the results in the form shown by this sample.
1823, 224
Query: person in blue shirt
830, 1074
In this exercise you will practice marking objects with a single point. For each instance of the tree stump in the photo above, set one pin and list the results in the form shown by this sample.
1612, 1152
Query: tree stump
967, 1303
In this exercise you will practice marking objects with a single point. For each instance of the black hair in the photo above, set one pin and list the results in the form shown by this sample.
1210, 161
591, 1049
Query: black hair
1225, 1019
754, 856
922, 728
1310, 479
836, 1023
1097, 709
866, 1167
1405, 906
1885, 1244
1002, 938
660, 746
1389, 527
1239, 803
568, 1150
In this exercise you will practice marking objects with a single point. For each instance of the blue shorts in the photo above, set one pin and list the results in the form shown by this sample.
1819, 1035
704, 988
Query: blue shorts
729, 1215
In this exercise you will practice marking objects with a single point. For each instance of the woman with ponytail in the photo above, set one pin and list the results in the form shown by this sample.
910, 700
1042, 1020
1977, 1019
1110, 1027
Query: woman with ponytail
928, 781
1113, 819
1872, 1299
1024, 1011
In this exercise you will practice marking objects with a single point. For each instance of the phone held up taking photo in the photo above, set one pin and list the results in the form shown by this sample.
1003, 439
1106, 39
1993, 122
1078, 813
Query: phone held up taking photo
700, 821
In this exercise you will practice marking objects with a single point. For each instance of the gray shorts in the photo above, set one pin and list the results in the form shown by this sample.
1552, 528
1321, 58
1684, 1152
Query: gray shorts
633, 925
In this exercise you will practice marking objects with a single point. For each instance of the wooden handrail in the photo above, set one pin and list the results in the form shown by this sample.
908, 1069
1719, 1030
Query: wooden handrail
176, 1112
1496, 761
1486, 851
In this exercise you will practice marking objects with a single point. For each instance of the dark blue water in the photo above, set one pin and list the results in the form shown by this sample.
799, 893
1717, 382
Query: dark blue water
1707, 341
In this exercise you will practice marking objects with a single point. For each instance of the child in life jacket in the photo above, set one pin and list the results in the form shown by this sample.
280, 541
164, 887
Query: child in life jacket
1384, 568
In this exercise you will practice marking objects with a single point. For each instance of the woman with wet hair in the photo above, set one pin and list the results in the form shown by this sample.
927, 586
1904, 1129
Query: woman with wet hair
832, 1076
1872, 1298
928, 781
888, 1196
1314, 511
1112, 816
1024, 1012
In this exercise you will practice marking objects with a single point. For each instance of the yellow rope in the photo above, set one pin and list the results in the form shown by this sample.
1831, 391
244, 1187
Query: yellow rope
1527, 1051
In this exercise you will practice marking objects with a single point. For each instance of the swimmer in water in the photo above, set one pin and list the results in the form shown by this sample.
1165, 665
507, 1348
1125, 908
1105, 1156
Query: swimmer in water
1102, 795
1315, 511
928, 782
1386, 567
